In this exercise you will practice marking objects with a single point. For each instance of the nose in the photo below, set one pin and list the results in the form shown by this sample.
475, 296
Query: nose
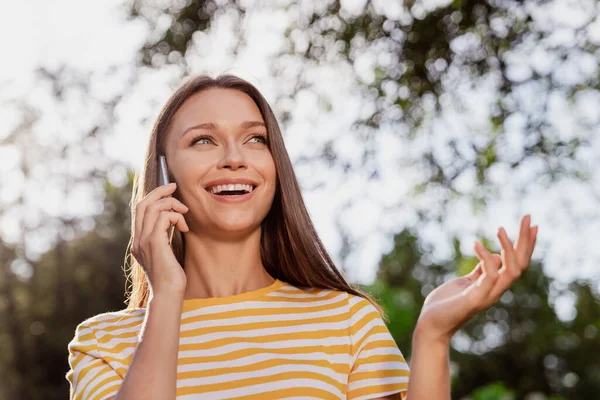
233, 157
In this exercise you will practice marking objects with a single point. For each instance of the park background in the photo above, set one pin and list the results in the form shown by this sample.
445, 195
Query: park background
414, 127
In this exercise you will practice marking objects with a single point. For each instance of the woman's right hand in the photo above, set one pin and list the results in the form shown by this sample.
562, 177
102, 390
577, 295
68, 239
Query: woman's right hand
154, 215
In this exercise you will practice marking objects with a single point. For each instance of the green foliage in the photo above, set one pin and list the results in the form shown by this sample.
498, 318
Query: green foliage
400, 307
494, 391
72, 282
83, 277
516, 347
187, 18
466, 265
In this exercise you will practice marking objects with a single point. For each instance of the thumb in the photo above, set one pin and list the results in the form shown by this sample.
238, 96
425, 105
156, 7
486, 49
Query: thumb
479, 292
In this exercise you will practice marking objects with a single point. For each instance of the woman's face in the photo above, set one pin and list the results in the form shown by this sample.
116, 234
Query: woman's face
229, 148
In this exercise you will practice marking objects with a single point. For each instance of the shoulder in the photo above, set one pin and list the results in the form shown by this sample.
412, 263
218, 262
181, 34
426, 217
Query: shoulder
360, 304
361, 308
354, 307
102, 323
364, 317
314, 295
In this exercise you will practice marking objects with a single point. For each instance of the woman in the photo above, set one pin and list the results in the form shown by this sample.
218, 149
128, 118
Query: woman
245, 301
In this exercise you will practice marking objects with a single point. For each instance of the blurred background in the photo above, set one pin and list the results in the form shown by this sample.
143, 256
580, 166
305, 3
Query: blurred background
414, 127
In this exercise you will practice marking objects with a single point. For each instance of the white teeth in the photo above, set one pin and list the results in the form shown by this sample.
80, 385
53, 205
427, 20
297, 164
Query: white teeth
230, 187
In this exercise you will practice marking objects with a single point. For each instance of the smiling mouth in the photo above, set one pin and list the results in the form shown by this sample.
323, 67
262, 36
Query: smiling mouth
231, 189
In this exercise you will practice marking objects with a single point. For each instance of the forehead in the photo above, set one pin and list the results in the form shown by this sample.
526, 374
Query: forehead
215, 105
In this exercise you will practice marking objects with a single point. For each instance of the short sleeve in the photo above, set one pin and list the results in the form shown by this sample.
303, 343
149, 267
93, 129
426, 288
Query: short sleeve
378, 367
90, 376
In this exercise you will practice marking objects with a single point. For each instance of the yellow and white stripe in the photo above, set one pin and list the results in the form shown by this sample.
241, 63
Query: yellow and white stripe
273, 343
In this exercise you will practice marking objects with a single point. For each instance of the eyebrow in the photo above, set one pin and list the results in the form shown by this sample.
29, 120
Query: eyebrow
211, 126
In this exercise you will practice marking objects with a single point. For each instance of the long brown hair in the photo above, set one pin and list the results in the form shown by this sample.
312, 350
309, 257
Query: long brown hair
290, 247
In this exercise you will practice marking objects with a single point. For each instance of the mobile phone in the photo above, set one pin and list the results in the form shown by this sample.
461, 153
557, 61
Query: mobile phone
163, 175
163, 179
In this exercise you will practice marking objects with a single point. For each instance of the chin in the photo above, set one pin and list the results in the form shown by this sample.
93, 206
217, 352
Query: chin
237, 224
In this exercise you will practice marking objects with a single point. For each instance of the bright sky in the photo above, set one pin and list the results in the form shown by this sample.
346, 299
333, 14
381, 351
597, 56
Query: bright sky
92, 37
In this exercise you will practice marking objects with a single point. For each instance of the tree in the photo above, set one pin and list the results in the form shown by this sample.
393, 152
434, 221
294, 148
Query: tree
426, 60
461, 84
39, 289
482, 101
519, 342
36, 318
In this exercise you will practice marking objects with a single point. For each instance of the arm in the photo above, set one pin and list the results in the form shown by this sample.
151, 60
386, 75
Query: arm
430, 369
153, 369
152, 373
448, 307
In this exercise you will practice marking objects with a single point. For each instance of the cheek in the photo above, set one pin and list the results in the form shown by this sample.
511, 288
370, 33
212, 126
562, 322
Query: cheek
190, 171
192, 166
266, 167
271, 180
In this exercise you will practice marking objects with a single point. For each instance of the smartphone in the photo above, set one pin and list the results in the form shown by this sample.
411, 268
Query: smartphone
163, 175
163, 179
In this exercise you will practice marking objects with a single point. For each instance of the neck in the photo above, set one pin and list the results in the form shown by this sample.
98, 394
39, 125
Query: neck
217, 268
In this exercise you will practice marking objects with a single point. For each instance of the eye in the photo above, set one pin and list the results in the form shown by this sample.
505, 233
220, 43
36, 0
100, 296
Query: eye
202, 139
262, 138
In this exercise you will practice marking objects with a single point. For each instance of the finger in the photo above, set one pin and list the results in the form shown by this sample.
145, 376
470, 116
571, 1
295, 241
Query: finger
475, 273
490, 270
153, 212
510, 270
509, 255
165, 220
163, 190
478, 294
533, 238
489, 264
182, 224
156, 194
522, 247
170, 203
165, 204
140, 210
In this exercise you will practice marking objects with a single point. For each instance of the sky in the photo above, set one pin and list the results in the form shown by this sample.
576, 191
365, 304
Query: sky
103, 49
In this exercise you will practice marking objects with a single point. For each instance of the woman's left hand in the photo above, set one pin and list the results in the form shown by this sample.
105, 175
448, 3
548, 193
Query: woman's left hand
449, 306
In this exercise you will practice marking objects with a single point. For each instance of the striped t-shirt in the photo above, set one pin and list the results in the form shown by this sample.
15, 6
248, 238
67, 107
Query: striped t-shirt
276, 342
